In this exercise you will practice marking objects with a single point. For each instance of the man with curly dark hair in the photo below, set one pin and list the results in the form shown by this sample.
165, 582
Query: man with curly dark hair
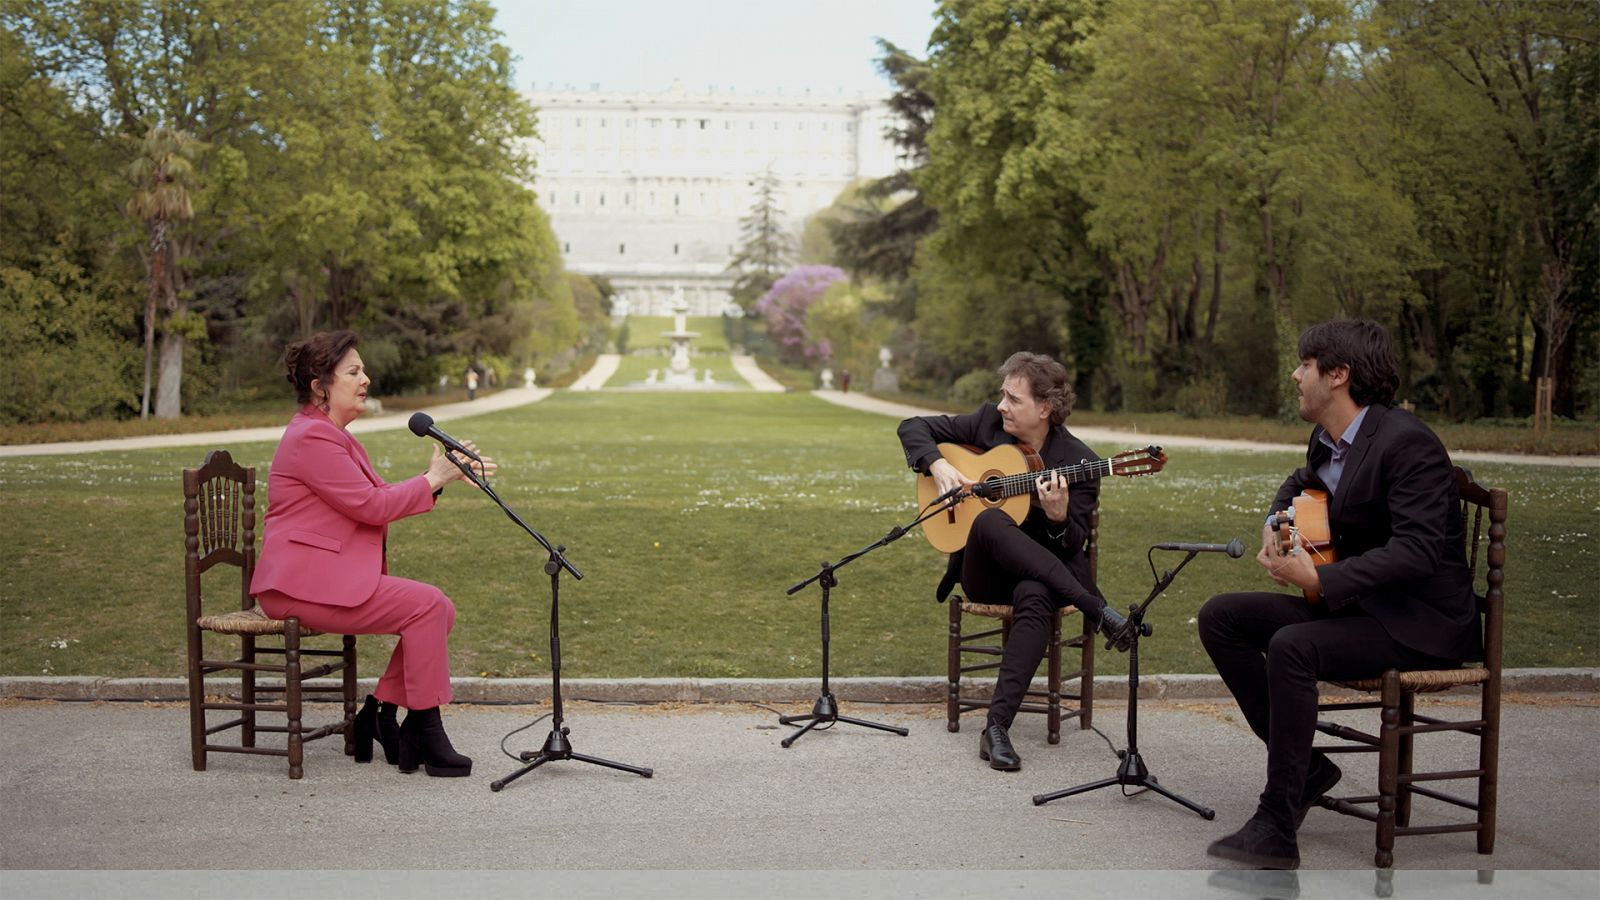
1039, 565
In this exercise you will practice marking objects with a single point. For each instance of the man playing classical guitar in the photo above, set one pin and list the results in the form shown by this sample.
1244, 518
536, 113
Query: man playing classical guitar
1398, 596
1037, 566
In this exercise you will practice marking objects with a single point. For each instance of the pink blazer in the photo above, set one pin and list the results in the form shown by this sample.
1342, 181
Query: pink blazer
328, 514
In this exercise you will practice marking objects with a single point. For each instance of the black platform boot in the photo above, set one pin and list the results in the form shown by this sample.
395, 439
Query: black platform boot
423, 742
366, 724
389, 732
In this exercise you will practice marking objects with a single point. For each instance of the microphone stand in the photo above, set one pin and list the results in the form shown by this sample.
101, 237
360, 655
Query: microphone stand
1133, 772
826, 710
556, 746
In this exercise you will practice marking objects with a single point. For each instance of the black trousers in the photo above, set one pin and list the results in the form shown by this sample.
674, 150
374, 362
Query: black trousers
1002, 565
1271, 650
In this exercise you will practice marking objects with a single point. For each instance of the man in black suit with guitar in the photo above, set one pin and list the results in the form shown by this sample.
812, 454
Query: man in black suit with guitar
1398, 594
1036, 566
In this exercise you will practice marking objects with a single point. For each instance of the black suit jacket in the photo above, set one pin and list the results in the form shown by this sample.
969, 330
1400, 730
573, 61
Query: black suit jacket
1397, 531
983, 429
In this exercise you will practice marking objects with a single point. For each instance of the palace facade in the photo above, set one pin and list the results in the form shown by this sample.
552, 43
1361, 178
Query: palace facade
647, 189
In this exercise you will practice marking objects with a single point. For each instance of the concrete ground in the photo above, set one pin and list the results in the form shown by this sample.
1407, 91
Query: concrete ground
109, 786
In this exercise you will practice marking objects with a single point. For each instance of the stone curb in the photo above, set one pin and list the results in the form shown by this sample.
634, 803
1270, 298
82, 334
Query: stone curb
920, 689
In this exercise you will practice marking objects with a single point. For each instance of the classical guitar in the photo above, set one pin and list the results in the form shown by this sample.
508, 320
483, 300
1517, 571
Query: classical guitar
1307, 519
1007, 478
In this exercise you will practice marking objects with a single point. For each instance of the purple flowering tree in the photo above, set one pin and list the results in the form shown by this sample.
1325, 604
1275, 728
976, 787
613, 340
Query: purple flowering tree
784, 307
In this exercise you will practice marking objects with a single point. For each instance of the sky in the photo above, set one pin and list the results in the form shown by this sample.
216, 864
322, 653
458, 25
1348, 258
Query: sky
749, 46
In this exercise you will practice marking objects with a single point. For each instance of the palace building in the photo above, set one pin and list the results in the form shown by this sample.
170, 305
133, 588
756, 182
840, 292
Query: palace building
647, 189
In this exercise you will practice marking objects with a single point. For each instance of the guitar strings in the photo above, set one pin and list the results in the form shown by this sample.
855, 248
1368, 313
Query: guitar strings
1014, 485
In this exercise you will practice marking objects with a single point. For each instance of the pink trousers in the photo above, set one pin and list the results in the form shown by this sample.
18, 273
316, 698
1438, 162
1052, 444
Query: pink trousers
418, 676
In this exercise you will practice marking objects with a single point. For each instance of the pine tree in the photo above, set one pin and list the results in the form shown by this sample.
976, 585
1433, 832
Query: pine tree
766, 248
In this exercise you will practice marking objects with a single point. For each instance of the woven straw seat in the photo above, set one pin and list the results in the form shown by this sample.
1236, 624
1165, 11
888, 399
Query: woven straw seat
248, 621
979, 642
1428, 681
996, 611
1400, 723
219, 529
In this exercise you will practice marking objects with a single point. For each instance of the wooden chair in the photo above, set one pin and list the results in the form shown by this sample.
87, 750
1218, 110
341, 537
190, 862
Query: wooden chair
219, 527
1390, 808
978, 642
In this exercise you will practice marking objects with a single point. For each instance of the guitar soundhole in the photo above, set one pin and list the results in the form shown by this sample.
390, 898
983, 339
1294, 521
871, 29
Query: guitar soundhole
996, 496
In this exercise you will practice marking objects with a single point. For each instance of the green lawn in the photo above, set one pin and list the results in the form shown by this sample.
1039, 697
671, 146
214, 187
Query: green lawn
689, 515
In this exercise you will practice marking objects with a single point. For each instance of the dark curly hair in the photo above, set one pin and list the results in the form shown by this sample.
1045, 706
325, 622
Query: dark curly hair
1047, 378
1361, 345
314, 359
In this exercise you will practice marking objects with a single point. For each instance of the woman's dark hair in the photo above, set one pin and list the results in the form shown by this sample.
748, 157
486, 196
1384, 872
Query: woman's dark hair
1048, 380
1361, 345
314, 358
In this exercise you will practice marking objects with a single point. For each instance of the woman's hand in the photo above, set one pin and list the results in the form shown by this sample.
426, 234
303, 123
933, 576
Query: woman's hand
442, 470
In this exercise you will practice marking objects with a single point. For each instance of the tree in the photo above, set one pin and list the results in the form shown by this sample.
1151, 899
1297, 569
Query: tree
765, 248
1011, 213
162, 174
877, 232
785, 307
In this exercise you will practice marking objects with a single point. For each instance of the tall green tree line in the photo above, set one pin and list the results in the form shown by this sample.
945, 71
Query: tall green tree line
239, 174
1164, 194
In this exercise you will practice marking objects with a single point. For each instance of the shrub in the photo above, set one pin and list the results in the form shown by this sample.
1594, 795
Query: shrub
976, 387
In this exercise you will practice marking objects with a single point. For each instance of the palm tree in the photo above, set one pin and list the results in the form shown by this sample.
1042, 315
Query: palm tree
161, 175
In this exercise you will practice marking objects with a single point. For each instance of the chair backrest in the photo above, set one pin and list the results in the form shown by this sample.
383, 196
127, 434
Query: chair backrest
219, 524
1483, 522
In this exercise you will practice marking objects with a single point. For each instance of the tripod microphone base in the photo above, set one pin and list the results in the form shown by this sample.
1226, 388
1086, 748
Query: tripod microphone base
826, 712
557, 747
1131, 773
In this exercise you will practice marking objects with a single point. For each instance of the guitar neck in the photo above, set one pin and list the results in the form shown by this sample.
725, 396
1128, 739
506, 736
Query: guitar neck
1027, 482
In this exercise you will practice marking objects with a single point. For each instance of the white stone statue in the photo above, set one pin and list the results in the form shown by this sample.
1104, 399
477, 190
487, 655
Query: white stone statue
651, 378
827, 379
884, 356
708, 377
527, 377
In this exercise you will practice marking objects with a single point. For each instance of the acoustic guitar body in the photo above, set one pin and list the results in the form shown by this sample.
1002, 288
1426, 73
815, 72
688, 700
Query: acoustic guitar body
1308, 520
947, 532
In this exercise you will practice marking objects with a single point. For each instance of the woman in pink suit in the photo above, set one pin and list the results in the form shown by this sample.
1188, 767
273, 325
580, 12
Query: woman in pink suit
322, 559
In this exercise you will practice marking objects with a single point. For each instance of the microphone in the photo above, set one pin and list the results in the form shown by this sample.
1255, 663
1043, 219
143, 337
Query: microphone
1234, 548
421, 425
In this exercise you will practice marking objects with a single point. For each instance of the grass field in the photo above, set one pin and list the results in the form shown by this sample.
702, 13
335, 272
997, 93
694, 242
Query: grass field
689, 515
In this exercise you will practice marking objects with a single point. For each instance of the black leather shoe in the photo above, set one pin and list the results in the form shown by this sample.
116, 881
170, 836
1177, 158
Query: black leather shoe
423, 742
1320, 779
366, 725
994, 745
1114, 626
1259, 843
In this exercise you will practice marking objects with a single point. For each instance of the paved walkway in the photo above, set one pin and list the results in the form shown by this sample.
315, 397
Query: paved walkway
110, 786
604, 367
748, 370
445, 412
1120, 437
